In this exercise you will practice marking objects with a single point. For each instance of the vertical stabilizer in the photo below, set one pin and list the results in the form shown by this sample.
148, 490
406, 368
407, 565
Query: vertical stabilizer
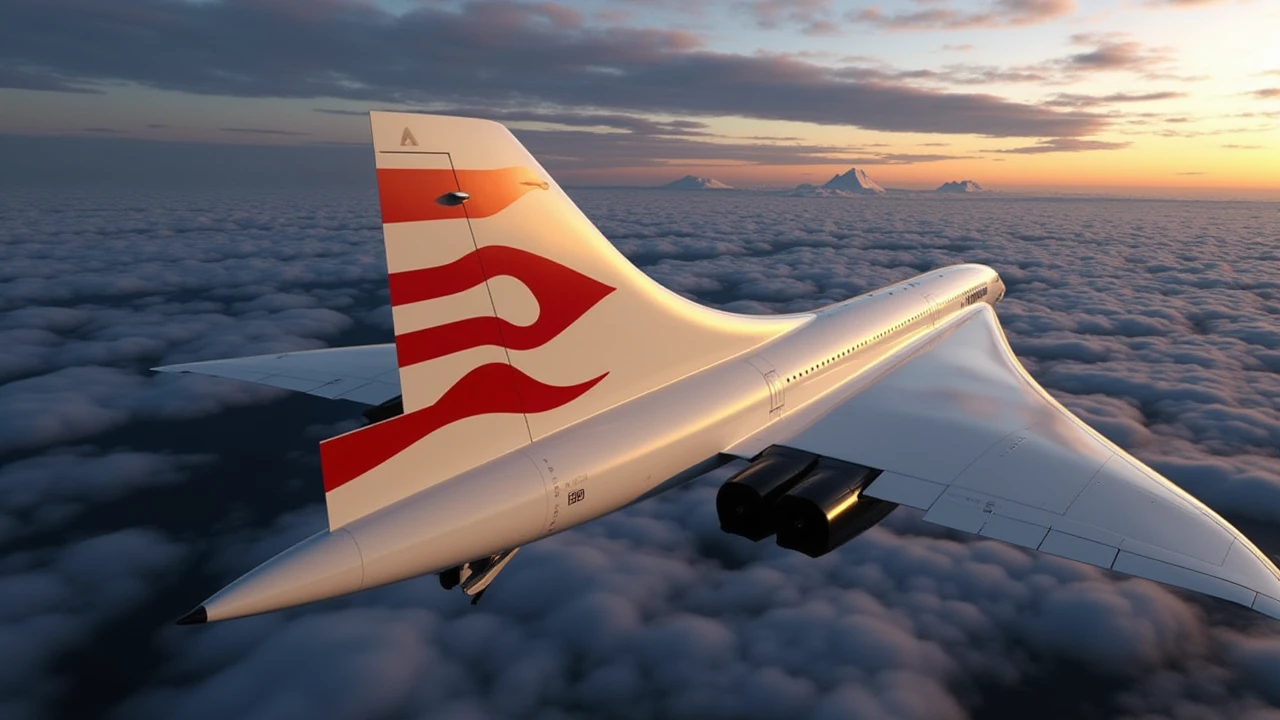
514, 316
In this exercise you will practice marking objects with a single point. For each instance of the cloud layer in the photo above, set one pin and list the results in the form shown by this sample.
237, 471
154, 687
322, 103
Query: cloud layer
125, 496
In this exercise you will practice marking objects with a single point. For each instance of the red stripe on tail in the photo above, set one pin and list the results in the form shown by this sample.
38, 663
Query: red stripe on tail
411, 286
491, 388
411, 195
563, 296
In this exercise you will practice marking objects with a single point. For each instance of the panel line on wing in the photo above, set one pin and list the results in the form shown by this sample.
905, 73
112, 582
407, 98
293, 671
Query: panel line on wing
1046, 481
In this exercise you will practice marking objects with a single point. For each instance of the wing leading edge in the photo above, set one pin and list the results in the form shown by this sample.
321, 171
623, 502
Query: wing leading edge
964, 433
365, 374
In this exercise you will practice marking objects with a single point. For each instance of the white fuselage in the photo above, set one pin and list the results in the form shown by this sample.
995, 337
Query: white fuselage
544, 381
611, 459
619, 455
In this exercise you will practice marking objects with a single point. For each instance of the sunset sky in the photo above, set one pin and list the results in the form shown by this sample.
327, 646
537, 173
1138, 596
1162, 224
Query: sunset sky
1179, 96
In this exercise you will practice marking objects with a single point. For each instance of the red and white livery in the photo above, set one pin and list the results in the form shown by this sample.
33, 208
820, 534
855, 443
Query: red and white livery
544, 381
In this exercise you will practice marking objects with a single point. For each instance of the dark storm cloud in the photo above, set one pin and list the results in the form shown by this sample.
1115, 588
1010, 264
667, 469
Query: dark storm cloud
499, 54
1064, 145
939, 15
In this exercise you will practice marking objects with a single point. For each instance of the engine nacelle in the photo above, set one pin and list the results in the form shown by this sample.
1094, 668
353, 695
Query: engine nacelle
826, 508
745, 502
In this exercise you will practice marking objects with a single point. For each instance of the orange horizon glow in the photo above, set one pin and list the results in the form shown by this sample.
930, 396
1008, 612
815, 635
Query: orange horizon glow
1010, 176
1182, 98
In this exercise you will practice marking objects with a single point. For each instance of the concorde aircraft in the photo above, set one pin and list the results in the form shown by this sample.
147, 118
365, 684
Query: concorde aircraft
538, 380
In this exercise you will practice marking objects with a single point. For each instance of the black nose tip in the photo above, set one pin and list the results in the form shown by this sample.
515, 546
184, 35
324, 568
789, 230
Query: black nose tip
195, 617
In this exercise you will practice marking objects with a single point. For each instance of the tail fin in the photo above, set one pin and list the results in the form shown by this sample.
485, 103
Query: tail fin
513, 315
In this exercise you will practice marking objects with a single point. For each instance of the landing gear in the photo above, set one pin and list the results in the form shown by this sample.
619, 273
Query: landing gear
450, 578
475, 576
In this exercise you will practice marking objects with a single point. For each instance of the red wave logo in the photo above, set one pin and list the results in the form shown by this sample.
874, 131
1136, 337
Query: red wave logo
491, 388
564, 295
411, 195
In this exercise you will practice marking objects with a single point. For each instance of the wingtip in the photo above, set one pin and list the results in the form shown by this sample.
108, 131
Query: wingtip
195, 617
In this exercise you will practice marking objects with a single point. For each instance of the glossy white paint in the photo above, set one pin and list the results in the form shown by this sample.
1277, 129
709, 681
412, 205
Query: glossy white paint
915, 379
324, 565
966, 434
612, 340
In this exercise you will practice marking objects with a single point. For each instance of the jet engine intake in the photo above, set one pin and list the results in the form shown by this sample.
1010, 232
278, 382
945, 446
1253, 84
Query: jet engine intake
826, 509
745, 502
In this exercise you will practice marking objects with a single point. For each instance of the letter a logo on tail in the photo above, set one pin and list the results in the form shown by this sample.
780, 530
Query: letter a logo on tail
407, 139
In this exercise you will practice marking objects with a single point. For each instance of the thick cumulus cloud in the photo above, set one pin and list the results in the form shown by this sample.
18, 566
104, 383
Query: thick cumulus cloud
655, 613
51, 489
89, 302
1153, 320
53, 600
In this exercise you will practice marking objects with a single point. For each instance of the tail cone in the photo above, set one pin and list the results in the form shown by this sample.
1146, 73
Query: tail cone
323, 566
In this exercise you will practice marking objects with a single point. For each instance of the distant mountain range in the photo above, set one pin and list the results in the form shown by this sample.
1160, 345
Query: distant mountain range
854, 182
693, 182
960, 186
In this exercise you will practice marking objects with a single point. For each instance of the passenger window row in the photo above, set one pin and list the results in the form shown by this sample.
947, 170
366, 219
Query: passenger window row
975, 296
847, 351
